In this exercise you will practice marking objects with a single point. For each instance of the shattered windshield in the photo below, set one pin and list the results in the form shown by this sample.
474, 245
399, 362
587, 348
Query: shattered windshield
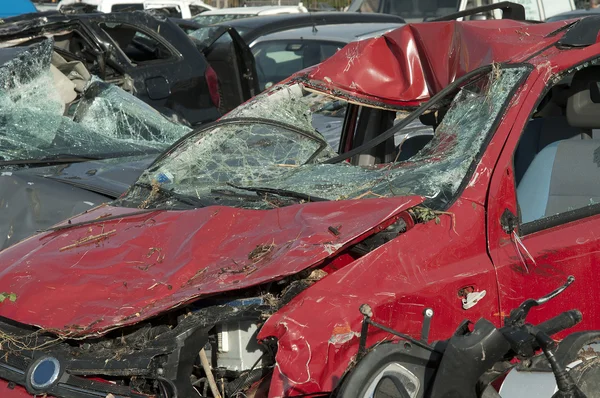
252, 165
212, 19
44, 114
208, 35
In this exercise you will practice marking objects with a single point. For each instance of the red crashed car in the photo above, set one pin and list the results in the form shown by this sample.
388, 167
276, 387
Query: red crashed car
238, 261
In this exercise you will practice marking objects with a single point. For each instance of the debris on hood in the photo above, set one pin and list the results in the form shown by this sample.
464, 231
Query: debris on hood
156, 274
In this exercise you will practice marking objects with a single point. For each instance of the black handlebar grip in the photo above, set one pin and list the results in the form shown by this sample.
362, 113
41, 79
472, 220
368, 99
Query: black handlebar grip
560, 322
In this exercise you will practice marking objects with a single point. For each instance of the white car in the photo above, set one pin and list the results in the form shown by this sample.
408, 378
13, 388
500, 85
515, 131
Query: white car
227, 14
419, 10
178, 8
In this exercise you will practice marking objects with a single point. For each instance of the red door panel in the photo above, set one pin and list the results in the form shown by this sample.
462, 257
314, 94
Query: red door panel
535, 264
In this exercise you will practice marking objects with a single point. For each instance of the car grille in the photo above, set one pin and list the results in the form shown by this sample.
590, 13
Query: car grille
15, 364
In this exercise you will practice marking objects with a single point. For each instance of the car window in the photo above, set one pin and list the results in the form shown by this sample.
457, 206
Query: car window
571, 15
557, 159
328, 116
127, 7
277, 60
137, 46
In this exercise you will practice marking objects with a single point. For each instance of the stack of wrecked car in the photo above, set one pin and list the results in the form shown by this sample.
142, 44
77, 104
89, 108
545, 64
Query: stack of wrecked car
239, 259
147, 56
68, 140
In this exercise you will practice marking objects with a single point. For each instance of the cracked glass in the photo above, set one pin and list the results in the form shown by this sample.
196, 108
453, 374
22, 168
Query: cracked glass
274, 159
213, 19
104, 122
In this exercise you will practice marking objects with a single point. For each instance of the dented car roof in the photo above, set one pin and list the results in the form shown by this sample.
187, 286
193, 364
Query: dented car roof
407, 66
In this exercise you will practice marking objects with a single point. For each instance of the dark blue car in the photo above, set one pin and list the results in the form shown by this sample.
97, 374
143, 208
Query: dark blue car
16, 7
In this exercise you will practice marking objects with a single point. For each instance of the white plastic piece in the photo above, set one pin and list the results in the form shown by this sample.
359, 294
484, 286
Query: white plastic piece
472, 299
223, 339
238, 347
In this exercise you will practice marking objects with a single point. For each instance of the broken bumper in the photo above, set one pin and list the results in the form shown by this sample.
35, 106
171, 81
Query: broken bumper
135, 362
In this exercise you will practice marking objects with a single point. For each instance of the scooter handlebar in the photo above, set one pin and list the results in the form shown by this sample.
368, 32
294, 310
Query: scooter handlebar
560, 322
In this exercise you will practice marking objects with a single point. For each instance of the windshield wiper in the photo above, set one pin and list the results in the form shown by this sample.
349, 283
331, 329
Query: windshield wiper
230, 193
280, 192
185, 199
53, 159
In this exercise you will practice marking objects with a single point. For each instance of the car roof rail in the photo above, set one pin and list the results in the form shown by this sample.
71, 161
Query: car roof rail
509, 10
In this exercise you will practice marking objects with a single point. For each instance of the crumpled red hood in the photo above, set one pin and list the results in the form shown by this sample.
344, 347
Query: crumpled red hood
408, 65
89, 279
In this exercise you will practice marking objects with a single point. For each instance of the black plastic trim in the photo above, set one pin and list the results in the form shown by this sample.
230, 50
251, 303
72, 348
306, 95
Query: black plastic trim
560, 219
583, 34
509, 9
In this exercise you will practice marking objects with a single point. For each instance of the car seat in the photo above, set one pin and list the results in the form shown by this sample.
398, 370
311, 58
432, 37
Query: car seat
540, 132
564, 175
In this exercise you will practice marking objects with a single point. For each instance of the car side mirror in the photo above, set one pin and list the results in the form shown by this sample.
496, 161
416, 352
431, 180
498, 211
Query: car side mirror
509, 221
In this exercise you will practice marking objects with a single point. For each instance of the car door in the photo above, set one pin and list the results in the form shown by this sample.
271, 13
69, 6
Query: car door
167, 71
533, 255
230, 56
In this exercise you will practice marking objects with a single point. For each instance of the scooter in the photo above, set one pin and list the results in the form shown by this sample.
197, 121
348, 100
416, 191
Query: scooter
466, 365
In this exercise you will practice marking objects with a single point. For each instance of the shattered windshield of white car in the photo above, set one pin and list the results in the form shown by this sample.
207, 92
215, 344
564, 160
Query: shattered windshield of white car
213, 19
231, 163
42, 116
